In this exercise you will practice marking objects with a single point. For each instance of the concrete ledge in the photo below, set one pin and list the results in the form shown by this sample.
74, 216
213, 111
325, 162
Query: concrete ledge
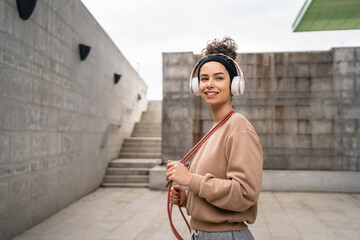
311, 181
287, 180
157, 179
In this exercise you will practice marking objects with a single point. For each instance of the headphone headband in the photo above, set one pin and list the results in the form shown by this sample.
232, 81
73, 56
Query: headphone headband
237, 82
228, 65
236, 65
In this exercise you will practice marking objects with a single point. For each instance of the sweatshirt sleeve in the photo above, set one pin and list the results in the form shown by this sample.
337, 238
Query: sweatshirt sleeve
241, 188
184, 204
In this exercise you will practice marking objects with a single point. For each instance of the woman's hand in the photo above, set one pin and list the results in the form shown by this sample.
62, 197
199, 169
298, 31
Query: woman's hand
177, 195
177, 172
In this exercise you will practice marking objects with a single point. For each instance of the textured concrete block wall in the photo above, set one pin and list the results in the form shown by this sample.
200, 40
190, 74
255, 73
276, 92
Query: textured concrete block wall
179, 107
289, 100
56, 111
347, 97
303, 105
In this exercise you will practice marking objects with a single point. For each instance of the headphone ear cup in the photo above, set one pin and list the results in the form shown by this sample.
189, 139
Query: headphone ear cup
194, 86
235, 86
242, 86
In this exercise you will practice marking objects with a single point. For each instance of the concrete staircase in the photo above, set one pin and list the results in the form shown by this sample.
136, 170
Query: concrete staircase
139, 153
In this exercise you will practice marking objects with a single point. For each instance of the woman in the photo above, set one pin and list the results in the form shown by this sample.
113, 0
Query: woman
224, 180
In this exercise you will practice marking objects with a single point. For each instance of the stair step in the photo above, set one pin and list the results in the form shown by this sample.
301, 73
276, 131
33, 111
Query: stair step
135, 134
147, 130
147, 133
143, 139
127, 171
142, 127
130, 185
141, 144
151, 114
154, 106
154, 117
147, 118
141, 149
134, 163
147, 125
151, 118
126, 179
139, 155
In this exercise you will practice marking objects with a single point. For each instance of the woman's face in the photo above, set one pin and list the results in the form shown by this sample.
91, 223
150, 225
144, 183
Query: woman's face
215, 84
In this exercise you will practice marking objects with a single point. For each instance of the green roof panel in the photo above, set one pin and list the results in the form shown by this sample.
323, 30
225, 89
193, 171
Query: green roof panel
325, 15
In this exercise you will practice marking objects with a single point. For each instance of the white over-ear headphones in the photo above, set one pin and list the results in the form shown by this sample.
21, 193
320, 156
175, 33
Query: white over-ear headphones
237, 84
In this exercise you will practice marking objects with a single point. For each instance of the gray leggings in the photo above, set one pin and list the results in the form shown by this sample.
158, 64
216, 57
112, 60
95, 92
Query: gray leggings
232, 235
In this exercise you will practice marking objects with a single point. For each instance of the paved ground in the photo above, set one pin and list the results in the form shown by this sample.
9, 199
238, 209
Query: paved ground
128, 213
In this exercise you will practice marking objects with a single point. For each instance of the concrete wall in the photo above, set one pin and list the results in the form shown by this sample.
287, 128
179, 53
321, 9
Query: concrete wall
303, 105
346, 70
55, 109
179, 107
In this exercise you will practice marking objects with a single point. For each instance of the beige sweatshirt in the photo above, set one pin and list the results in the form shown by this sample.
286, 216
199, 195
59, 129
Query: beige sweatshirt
226, 181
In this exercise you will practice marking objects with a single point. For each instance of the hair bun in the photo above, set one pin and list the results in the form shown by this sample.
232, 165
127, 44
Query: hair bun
226, 46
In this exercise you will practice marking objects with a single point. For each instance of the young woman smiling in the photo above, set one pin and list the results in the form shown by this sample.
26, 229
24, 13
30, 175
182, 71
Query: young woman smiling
224, 180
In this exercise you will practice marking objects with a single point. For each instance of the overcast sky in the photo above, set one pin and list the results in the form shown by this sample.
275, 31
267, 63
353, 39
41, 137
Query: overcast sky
143, 30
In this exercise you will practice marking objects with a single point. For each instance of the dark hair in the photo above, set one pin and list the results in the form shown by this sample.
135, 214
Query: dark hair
225, 46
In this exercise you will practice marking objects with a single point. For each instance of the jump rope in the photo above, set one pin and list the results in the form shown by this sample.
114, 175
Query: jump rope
183, 161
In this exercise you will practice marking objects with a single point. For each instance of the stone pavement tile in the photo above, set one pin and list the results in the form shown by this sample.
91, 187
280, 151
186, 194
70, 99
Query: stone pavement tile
137, 215
300, 216
93, 233
162, 229
130, 228
332, 214
305, 216
151, 228
355, 199
47, 225
149, 221
278, 221
343, 234
125, 213
30, 236
63, 231
260, 229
